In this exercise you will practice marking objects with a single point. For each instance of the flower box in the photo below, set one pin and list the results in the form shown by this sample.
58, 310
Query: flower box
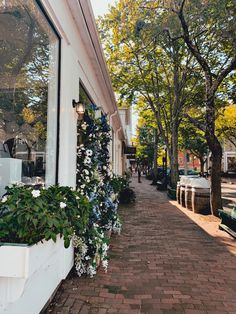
32, 273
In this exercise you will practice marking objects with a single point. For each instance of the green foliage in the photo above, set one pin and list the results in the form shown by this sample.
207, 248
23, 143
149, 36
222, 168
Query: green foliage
127, 196
119, 183
150, 69
193, 140
226, 124
29, 216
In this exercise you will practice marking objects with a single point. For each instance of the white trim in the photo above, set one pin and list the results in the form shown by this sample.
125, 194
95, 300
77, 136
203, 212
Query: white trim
53, 16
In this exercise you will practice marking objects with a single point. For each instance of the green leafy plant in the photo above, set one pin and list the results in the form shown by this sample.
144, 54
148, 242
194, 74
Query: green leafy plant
127, 196
120, 184
29, 216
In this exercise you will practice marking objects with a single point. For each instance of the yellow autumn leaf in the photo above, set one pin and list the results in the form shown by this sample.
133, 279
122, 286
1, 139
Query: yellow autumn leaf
28, 115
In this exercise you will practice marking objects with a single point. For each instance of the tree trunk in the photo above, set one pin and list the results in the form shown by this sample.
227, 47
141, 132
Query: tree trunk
216, 150
185, 163
175, 121
216, 201
174, 169
155, 156
202, 162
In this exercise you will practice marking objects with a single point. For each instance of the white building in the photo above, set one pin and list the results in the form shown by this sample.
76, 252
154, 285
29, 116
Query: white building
126, 121
229, 157
50, 55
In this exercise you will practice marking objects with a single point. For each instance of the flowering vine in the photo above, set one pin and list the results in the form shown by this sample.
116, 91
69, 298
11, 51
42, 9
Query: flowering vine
94, 180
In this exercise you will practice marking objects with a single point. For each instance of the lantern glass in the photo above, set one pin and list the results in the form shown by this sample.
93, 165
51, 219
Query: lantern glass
80, 108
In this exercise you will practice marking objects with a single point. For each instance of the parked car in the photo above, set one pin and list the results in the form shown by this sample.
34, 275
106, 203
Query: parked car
150, 176
190, 172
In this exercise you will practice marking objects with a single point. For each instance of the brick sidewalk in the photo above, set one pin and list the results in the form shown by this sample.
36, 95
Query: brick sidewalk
163, 262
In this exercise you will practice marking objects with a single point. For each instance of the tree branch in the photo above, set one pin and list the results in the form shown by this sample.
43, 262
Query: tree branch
223, 74
194, 50
196, 123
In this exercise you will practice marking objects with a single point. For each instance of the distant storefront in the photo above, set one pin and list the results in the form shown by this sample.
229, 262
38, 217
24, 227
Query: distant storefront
191, 161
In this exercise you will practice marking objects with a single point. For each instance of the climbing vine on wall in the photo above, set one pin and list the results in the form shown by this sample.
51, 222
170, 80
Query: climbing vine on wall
95, 180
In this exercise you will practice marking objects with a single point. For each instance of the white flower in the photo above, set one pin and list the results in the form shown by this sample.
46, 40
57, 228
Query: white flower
87, 160
4, 199
91, 271
89, 152
35, 193
84, 126
113, 197
82, 186
104, 168
105, 265
62, 205
86, 172
105, 247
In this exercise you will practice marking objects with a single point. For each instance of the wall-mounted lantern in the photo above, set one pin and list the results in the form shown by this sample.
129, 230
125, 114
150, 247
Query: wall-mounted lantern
79, 108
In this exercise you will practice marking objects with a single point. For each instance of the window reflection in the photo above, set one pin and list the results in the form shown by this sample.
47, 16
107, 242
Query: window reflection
28, 95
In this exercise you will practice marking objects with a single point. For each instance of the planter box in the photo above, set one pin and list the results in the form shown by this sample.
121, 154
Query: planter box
30, 274
228, 221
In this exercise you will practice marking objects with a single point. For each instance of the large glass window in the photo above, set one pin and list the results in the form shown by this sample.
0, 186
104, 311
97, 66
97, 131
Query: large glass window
29, 51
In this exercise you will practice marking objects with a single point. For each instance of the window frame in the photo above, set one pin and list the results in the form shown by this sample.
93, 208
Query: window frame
55, 30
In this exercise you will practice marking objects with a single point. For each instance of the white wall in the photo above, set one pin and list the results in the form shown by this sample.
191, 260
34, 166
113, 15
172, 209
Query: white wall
78, 62
118, 169
125, 116
68, 117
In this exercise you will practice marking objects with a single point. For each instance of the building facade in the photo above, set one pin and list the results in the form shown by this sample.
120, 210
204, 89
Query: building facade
50, 55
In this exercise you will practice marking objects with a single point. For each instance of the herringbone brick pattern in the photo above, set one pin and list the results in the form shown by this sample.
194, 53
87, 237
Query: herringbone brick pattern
163, 262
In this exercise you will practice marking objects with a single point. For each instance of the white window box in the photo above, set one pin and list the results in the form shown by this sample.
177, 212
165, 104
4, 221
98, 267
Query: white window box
30, 274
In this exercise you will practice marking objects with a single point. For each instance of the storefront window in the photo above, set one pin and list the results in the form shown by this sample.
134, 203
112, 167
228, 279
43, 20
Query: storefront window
28, 95
232, 163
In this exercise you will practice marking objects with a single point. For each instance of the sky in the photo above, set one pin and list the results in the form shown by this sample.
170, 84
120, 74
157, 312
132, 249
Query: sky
100, 7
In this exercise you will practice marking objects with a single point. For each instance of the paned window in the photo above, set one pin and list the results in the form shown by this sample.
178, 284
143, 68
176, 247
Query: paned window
29, 50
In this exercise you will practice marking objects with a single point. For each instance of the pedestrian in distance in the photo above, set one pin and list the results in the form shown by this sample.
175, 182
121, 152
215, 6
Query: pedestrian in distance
130, 171
139, 174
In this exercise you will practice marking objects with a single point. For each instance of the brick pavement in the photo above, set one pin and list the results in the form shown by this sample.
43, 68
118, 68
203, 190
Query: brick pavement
163, 262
